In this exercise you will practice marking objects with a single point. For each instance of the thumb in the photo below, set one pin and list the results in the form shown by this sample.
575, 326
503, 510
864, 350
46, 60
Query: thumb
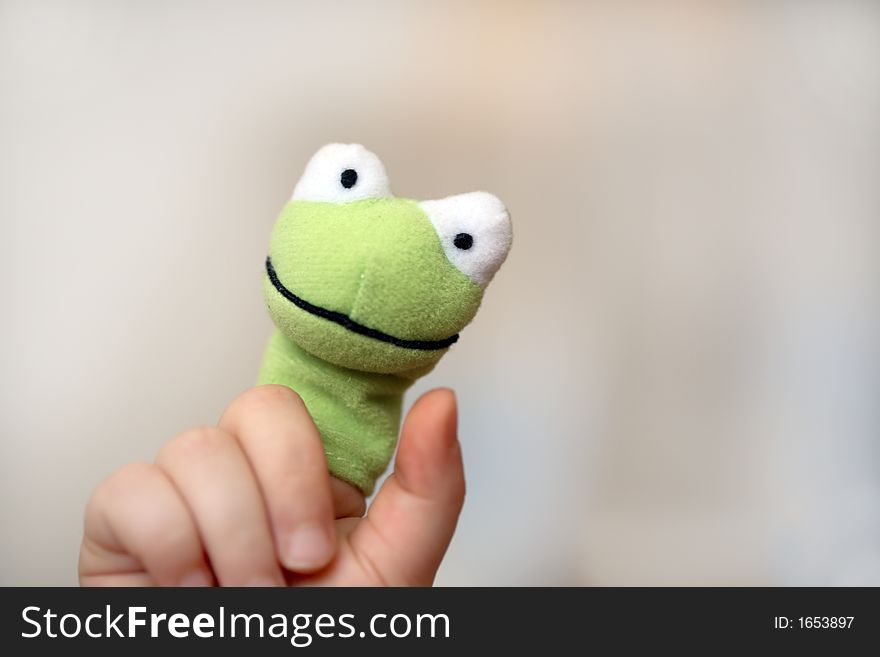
411, 521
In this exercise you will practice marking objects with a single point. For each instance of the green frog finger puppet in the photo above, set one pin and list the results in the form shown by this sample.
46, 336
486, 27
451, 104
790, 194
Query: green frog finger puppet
367, 292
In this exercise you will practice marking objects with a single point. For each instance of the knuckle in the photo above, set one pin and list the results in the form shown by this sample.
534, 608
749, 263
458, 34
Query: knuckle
122, 480
195, 443
116, 488
266, 396
171, 537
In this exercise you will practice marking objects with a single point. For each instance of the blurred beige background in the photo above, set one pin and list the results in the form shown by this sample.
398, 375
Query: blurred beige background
675, 379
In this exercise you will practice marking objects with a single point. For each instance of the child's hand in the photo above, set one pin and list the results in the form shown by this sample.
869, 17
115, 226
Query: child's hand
251, 502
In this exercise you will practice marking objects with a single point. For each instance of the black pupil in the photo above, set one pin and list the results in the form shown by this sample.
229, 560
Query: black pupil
348, 178
463, 241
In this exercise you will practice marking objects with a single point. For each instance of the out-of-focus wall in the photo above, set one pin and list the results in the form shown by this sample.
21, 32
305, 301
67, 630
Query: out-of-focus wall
674, 379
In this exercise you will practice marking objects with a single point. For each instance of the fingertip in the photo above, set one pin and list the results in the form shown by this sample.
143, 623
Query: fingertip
429, 457
448, 402
436, 410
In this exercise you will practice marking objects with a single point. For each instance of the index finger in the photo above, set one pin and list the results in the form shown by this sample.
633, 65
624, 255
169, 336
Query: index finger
283, 446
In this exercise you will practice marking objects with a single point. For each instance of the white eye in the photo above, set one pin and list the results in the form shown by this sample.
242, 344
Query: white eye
475, 232
341, 173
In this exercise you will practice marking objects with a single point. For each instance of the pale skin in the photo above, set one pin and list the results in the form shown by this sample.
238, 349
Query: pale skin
250, 502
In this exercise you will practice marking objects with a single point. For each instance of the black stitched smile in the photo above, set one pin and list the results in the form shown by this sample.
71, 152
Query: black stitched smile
346, 322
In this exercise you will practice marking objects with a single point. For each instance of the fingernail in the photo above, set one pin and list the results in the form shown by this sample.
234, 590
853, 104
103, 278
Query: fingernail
307, 547
196, 578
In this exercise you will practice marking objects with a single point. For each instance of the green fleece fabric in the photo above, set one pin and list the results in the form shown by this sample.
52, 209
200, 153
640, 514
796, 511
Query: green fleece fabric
357, 413
365, 301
